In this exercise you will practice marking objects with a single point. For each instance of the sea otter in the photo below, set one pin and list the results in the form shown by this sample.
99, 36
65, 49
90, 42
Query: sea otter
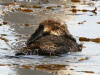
50, 38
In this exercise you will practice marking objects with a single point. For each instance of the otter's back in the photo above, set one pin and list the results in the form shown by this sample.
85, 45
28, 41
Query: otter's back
56, 44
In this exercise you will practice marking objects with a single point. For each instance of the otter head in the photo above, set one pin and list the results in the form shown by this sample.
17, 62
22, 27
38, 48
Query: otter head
54, 27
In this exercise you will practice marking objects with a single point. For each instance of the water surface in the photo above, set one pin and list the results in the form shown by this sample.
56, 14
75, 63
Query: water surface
18, 20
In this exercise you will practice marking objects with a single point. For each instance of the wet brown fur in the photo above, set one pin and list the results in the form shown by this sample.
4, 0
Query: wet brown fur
50, 38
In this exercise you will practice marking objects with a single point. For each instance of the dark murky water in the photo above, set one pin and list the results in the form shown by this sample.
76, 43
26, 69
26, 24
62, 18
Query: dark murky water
18, 20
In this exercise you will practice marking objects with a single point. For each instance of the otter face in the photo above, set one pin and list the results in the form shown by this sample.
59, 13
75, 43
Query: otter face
54, 27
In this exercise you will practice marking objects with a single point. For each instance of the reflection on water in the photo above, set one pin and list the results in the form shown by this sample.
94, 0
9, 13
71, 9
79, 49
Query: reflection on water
21, 71
20, 18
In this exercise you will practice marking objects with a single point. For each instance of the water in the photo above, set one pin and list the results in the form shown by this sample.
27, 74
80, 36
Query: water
18, 20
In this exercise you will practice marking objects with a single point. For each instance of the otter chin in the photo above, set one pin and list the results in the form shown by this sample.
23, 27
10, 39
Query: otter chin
50, 38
